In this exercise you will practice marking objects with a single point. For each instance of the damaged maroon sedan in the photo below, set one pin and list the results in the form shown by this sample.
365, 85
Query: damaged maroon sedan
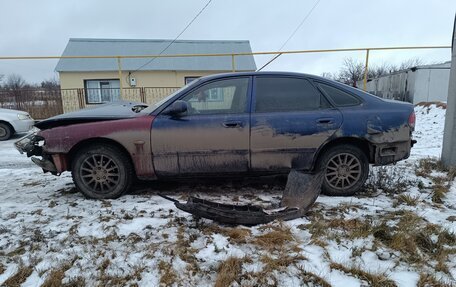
236, 124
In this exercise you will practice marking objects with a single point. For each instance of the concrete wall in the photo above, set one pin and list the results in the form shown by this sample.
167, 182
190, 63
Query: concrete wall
424, 84
431, 85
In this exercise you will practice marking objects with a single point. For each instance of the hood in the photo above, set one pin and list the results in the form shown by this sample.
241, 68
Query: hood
11, 112
103, 112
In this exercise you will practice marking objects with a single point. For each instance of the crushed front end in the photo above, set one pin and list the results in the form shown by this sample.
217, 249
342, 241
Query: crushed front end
32, 146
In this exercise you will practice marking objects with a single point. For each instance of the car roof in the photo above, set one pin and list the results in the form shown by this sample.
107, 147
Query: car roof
265, 73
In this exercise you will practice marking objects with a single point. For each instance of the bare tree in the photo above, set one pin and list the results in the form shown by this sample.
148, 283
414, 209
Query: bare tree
351, 72
50, 84
410, 63
14, 82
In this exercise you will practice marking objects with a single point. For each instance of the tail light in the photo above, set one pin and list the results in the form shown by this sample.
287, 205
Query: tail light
412, 120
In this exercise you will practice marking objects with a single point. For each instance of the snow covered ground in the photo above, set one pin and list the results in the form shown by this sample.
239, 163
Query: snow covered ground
401, 231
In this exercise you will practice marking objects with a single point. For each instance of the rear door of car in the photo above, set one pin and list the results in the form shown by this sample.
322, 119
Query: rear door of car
212, 137
290, 120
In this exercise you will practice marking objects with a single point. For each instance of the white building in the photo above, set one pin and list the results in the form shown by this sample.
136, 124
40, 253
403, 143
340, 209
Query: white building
419, 84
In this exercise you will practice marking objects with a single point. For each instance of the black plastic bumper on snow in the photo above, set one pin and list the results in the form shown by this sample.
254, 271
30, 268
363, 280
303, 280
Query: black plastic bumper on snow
300, 194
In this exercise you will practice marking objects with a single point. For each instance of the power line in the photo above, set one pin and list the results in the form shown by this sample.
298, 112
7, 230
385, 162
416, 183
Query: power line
292, 34
182, 32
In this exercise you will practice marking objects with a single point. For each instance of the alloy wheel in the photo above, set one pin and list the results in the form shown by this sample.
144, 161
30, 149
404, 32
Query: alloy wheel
100, 173
343, 171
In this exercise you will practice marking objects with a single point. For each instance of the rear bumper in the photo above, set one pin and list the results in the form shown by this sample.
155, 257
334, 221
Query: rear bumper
391, 152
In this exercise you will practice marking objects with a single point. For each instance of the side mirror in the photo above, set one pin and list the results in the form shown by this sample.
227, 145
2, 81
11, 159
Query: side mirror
176, 108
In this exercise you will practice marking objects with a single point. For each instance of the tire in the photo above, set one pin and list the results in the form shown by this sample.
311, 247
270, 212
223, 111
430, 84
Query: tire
6, 132
102, 171
346, 169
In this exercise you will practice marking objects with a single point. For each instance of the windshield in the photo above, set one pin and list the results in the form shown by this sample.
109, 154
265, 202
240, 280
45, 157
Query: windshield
153, 107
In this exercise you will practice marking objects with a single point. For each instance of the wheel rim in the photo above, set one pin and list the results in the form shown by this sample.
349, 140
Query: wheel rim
100, 173
3, 132
343, 171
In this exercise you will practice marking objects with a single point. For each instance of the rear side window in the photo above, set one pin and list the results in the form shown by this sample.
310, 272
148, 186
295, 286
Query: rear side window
286, 94
339, 97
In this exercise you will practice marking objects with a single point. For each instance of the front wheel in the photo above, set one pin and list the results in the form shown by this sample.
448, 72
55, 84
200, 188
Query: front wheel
346, 169
5, 132
102, 171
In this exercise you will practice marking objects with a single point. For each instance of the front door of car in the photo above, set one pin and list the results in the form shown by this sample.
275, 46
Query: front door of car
211, 137
290, 121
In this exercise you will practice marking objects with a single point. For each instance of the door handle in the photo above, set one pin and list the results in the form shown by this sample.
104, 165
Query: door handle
325, 121
232, 124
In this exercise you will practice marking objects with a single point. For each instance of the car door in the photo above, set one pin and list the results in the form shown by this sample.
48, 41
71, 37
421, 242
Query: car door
290, 120
211, 137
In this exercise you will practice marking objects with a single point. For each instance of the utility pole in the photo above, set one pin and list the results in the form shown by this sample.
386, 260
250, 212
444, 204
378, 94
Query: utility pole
449, 134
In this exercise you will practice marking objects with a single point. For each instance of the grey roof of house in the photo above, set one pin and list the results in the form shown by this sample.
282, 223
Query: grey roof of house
114, 47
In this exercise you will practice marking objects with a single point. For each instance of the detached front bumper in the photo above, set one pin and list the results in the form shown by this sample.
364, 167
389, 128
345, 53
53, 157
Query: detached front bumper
32, 145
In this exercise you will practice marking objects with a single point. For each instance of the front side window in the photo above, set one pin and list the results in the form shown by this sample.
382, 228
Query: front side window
102, 91
286, 94
224, 96
339, 97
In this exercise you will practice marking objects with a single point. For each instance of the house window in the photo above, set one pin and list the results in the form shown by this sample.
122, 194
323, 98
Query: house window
188, 80
102, 91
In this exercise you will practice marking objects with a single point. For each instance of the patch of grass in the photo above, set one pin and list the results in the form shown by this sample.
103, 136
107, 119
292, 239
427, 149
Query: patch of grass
407, 199
19, 277
237, 235
281, 262
374, 280
168, 275
309, 277
428, 280
389, 179
439, 192
55, 277
78, 281
229, 271
18, 251
412, 236
275, 239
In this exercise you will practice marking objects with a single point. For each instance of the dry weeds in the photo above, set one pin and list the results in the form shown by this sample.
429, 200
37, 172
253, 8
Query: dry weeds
168, 275
374, 280
229, 271
19, 277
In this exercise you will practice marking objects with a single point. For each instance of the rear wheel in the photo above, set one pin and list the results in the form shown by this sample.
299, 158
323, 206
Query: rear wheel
346, 169
102, 171
5, 132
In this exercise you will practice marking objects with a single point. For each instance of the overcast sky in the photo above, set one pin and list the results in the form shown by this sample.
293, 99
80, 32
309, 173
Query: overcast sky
31, 28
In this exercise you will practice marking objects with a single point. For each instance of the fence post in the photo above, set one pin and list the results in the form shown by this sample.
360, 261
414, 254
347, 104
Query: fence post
142, 94
366, 70
119, 70
233, 63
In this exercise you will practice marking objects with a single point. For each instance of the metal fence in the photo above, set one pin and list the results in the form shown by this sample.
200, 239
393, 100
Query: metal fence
42, 104
39, 103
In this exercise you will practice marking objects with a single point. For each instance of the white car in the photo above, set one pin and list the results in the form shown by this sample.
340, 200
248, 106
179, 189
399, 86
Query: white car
14, 122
